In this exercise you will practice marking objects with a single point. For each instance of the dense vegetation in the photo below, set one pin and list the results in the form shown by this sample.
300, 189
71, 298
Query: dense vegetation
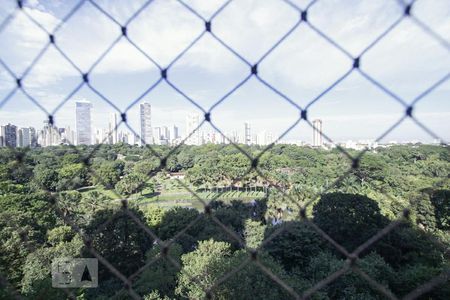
49, 196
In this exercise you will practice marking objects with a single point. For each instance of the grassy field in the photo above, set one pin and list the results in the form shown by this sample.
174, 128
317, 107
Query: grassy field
179, 198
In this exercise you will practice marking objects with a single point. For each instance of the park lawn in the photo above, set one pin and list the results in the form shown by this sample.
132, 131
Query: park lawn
186, 199
109, 193
185, 195
180, 198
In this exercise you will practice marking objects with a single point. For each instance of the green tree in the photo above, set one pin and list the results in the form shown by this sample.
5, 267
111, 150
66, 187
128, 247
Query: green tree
155, 295
119, 239
177, 219
254, 233
154, 215
147, 166
425, 212
72, 176
441, 202
351, 285
45, 177
349, 219
36, 281
162, 275
132, 183
295, 245
201, 268
107, 175
213, 260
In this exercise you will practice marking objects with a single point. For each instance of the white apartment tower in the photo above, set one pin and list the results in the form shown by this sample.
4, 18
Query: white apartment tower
173, 132
25, 137
157, 135
20, 138
49, 135
2, 136
317, 133
192, 122
112, 130
83, 122
146, 125
247, 134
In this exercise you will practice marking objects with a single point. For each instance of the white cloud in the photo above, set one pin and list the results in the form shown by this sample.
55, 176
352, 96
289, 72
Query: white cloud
407, 61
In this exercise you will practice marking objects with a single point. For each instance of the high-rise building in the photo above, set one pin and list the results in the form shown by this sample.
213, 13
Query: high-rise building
136, 139
10, 135
210, 137
247, 134
68, 136
50, 135
234, 137
113, 137
101, 136
157, 135
83, 122
19, 138
2, 136
24, 137
192, 123
165, 133
173, 132
317, 133
264, 138
125, 137
33, 137
146, 123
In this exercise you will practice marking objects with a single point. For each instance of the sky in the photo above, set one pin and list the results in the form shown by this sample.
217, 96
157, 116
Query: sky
407, 62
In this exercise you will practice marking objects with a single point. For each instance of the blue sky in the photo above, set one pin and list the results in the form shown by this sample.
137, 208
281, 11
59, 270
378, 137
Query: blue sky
407, 61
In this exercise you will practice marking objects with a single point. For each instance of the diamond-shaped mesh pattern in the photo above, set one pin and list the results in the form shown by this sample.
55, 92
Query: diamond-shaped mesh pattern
356, 63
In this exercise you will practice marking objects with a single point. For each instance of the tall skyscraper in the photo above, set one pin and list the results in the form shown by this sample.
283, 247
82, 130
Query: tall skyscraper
233, 137
317, 133
113, 137
19, 138
264, 138
247, 134
146, 125
50, 135
24, 138
165, 132
33, 137
192, 122
69, 136
2, 136
173, 132
10, 135
83, 122
101, 136
157, 135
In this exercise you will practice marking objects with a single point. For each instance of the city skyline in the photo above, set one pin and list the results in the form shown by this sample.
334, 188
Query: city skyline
84, 134
163, 134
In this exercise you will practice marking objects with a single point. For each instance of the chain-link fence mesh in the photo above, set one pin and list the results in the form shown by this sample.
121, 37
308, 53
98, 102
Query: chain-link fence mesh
355, 66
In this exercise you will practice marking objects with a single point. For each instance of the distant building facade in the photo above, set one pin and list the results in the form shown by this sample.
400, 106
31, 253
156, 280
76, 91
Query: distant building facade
113, 137
146, 123
50, 135
247, 134
83, 122
192, 133
10, 135
24, 137
317, 133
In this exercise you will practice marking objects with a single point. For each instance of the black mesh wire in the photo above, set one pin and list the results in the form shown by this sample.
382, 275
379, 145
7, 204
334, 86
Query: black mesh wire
302, 22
